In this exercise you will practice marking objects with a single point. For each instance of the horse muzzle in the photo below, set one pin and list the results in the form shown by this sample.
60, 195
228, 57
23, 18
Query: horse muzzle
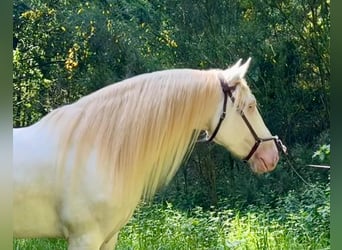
264, 155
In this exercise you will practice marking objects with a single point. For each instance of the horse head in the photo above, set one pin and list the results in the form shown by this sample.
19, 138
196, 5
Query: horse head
241, 128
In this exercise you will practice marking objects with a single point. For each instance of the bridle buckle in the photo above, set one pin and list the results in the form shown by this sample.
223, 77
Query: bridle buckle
281, 147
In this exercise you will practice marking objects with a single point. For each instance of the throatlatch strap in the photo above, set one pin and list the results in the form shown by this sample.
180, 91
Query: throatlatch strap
226, 91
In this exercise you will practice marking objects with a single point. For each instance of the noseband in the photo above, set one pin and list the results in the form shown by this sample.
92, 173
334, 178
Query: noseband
227, 91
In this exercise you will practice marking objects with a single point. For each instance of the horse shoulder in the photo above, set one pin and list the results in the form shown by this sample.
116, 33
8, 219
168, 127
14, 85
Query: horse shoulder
34, 198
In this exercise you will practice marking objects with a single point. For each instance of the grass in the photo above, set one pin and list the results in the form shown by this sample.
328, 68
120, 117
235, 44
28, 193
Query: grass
164, 227
295, 222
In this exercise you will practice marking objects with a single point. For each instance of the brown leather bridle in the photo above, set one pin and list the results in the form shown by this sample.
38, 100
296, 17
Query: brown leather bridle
227, 91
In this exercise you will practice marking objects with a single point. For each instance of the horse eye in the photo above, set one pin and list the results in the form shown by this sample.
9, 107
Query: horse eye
252, 105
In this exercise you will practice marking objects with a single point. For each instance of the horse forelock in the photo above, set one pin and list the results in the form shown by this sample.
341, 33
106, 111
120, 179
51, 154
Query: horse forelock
140, 129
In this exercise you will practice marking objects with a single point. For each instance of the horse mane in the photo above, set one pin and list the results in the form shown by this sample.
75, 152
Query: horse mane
139, 129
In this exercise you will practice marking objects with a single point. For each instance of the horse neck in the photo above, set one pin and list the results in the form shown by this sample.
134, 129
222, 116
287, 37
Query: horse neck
141, 137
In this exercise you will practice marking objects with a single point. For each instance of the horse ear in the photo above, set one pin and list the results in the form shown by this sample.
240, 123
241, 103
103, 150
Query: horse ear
237, 71
243, 69
237, 64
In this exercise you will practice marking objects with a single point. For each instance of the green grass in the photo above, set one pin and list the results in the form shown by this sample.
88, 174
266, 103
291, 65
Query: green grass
39, 244
161, 226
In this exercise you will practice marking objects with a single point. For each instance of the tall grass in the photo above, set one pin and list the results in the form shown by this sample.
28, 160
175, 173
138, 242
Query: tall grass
297, 221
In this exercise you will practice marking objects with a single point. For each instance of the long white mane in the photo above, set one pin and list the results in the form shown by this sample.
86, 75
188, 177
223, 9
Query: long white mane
139, 130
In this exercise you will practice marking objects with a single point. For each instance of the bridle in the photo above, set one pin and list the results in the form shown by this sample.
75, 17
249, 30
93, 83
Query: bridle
227, 91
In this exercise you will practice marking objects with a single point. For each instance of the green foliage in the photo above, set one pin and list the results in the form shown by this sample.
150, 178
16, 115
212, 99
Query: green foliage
323, 153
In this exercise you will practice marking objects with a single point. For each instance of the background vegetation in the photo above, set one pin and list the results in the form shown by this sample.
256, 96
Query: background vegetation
63, 50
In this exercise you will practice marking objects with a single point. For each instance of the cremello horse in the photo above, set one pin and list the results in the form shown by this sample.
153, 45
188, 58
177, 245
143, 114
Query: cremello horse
80, 172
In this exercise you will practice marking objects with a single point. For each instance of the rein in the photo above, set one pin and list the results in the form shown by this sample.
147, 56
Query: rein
227, 91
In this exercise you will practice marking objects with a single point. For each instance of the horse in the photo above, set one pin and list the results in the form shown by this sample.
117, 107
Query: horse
80, 171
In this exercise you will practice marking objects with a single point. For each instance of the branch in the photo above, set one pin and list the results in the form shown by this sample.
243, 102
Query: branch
319, 166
